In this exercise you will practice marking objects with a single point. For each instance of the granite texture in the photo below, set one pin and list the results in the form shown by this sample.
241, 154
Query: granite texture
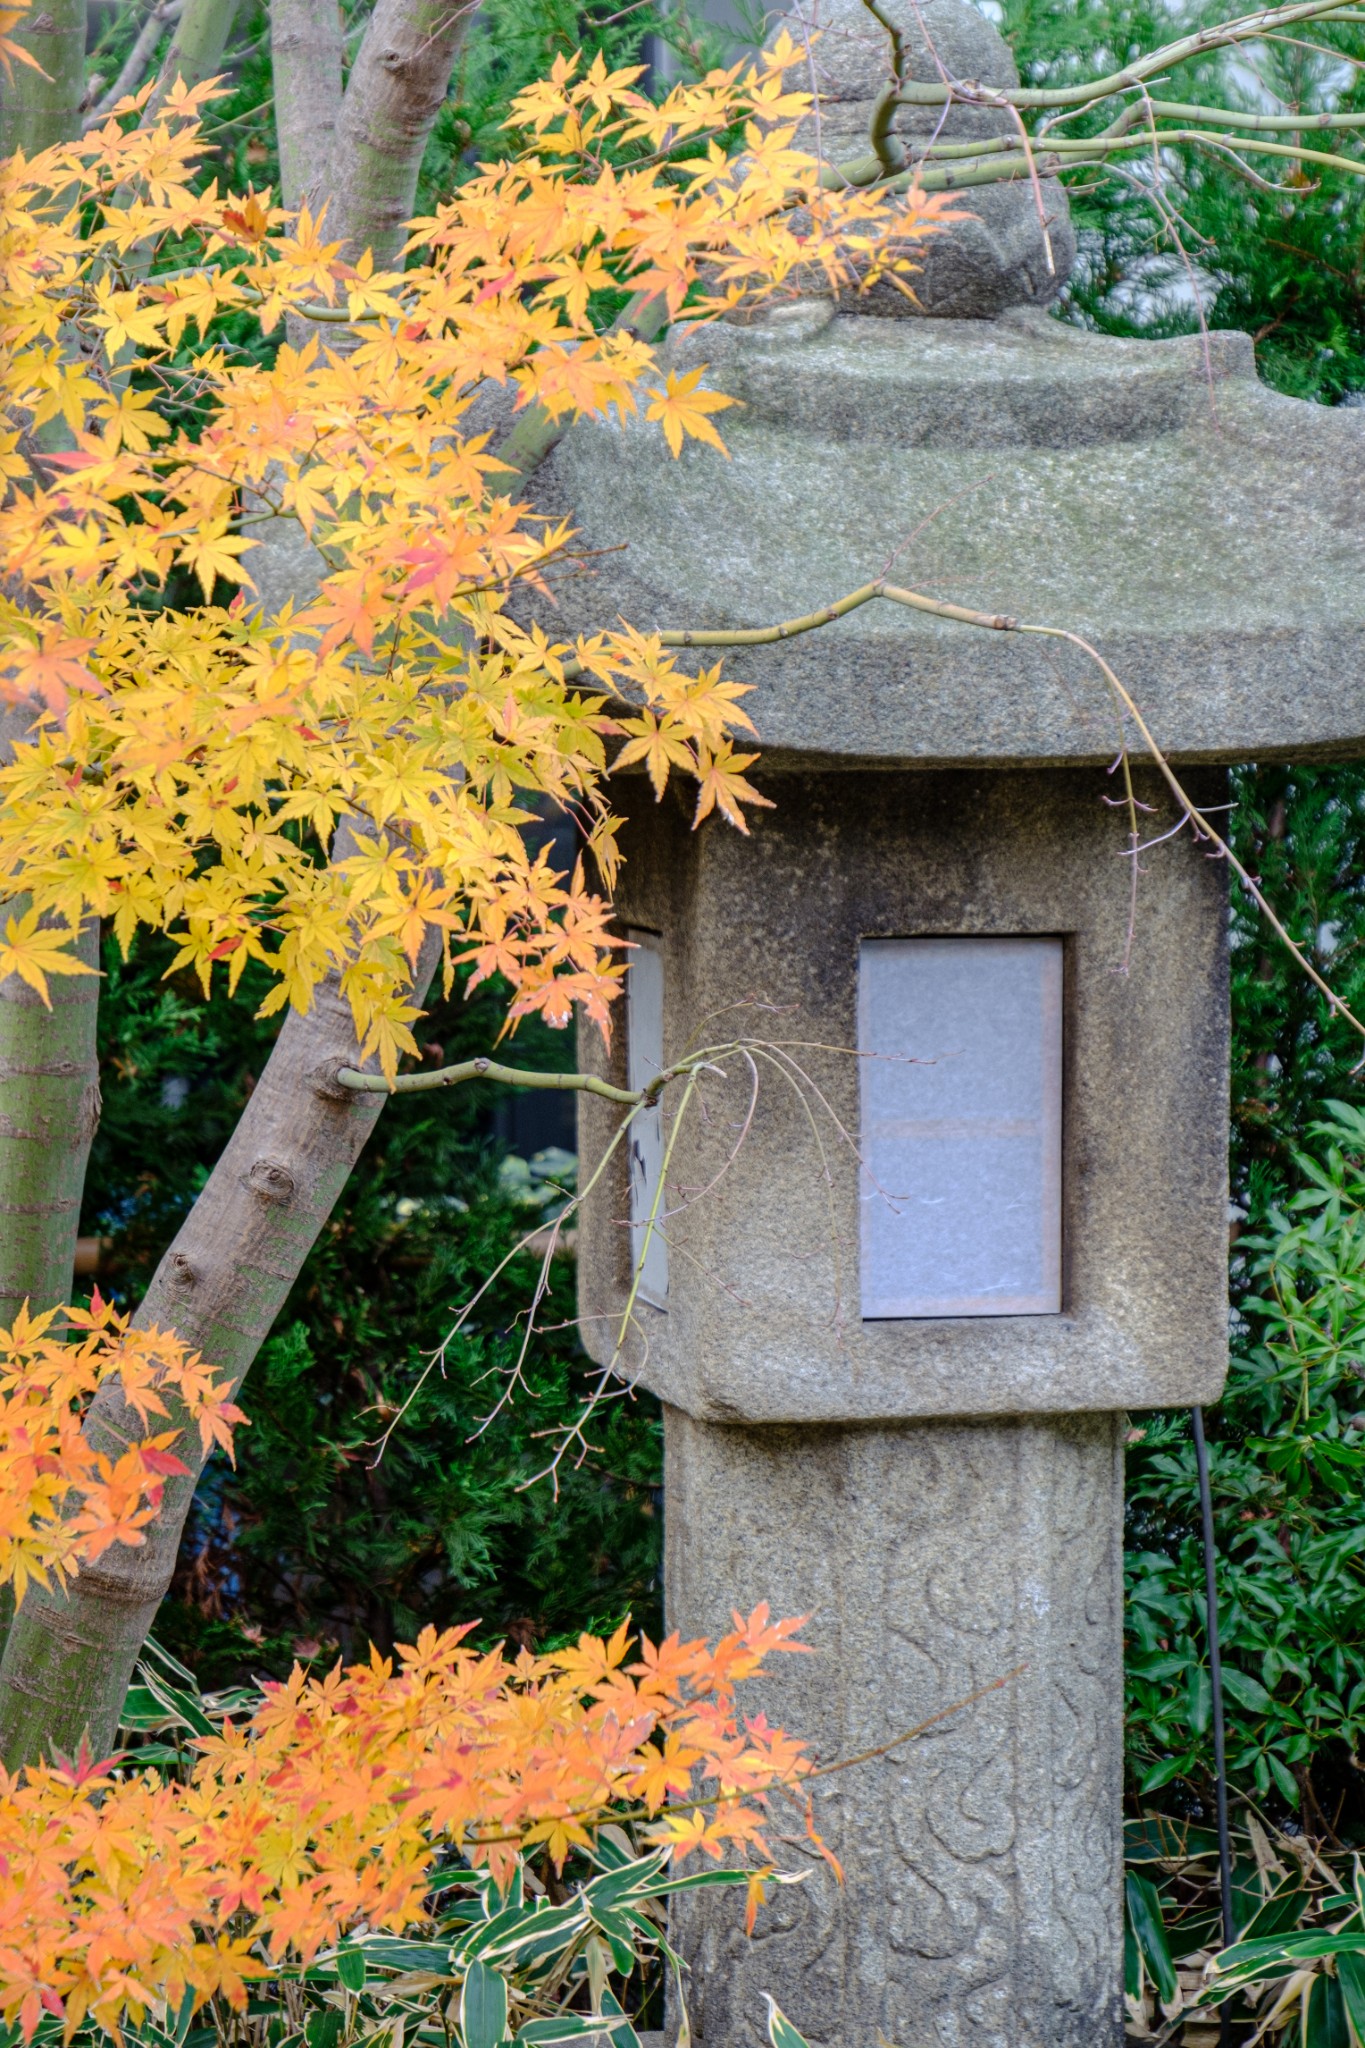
1004, 251
760, 937
981, 1906
1206, 533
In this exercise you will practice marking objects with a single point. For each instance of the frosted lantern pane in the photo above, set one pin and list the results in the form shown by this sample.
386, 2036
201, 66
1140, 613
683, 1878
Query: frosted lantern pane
644, 1059
961, 1126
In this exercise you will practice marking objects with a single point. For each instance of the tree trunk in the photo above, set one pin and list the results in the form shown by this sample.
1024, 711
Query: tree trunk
49, 1073
305, 67
198, 46
38, 111
393, 95
69, 1657
49, 1110
220, 1286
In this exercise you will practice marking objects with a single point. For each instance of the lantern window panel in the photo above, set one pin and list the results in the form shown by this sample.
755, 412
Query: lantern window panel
960, 1043
644, 1059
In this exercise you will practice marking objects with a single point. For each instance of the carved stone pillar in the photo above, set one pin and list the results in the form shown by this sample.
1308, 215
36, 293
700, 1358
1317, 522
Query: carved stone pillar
981, 1901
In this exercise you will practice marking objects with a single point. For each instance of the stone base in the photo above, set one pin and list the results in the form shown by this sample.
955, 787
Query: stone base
982, 1906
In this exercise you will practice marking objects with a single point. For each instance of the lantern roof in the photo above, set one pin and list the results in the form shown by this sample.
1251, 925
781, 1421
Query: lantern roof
1206, 533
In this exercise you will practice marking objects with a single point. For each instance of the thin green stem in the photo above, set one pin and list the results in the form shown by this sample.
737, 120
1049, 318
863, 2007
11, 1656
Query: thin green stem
482, 1069
1247, 28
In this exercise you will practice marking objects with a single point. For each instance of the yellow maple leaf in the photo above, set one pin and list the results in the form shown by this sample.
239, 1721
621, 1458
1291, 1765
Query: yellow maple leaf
721, 786
9, 49
212, 552
33, 950
682, 409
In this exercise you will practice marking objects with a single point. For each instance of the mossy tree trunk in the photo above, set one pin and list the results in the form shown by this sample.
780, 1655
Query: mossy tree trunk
40, 108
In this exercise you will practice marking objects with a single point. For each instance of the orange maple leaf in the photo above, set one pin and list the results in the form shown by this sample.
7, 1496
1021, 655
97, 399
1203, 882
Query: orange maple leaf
50, 670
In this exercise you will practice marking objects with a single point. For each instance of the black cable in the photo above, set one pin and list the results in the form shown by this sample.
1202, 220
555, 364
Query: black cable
1220, 1762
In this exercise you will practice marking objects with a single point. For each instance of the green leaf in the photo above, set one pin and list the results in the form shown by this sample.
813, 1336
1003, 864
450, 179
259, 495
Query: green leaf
323, 2029
697, 1880
1200, 1694
1280, 1911
615, 1883
141, 1709
620, 1938
781, 2032
1149, 1930
1250, 1693
351, 1968
1285, 1779
389, 1952
568, 2026
1325, 2023
524, 1933
161, 1655
611, 1848
1351, 1977
185, 2015
1162, 1774
184, 1707
1277, 1955
623, 2034
483, 2007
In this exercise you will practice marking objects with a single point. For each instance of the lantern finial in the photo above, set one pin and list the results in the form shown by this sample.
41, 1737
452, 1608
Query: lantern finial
1010, 250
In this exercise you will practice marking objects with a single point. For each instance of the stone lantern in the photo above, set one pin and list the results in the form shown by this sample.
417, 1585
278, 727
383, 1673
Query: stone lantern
976, 1208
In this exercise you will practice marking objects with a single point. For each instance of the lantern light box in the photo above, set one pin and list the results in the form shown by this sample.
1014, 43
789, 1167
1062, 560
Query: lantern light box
960, 1045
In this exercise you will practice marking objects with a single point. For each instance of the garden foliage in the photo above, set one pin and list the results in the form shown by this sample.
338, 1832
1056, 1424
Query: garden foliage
385, 1820
196, 764
1288, 1465
305, 1544
63, 1500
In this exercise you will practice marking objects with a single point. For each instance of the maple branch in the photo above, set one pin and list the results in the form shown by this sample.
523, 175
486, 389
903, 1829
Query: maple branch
1247, 28
708, 1801
537, 432
809, 622
511, 1077
484, 1069
987, 163
887, 146
996, 158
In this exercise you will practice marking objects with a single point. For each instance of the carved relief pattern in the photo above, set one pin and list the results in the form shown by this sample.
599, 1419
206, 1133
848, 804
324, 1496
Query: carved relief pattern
983, 1862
